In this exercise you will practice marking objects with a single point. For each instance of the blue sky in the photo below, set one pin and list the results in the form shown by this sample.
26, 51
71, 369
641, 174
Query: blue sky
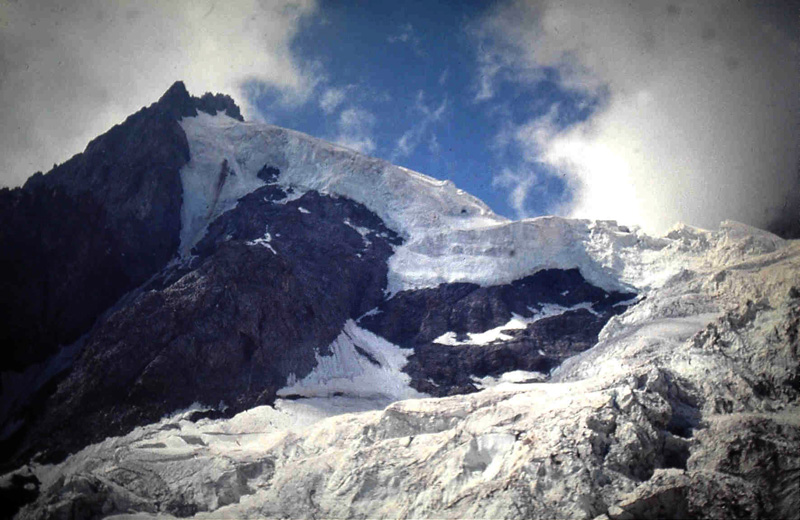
649, 113
410, 79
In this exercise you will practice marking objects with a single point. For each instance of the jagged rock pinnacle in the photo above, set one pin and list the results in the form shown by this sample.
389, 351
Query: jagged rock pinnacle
177, 101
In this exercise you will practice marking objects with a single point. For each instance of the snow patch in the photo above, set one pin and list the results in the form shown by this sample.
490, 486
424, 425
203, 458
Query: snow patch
372, 312
363, 232
291, 195
348, 372
628, 303
507, 380
263, 241
516, 322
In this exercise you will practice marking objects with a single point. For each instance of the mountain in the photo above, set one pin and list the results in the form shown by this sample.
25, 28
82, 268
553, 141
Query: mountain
208, 317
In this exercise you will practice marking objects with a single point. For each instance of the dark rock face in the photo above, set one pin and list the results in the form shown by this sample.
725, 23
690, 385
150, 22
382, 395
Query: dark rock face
23, 490
75, 240
57, 272
250, 311
268, 174
414, 319
213, 103
442, 370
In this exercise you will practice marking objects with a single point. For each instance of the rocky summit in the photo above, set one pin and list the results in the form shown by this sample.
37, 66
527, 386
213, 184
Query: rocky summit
211, 318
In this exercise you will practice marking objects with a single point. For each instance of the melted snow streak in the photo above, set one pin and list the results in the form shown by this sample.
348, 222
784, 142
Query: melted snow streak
449, 235
647, 420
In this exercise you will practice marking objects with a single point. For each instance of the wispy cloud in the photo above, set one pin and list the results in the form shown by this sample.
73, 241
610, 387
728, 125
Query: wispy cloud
71, 70
700, 120
355, 127
433, 145
443, 76
407, 35
518, 183
528, 176
331, 99
411, 138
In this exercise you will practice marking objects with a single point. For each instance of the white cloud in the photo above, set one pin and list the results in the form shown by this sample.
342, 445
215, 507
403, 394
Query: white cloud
71, 70
331, 99
519, 184
443, 76
407, 35
701, 122
355, 130
410, 139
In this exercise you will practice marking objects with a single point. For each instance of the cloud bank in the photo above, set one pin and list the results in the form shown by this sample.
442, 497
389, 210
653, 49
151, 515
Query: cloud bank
71, 70
700, 115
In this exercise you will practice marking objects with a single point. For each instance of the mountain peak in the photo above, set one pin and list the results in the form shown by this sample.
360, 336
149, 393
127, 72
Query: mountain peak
185, 258
213, 103
177, 89
180, 103
177, 100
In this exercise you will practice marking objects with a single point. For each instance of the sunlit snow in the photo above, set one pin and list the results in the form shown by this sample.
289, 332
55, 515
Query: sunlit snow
263, 241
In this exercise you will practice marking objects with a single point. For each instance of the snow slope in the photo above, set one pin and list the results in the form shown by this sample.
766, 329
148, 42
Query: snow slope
377, 373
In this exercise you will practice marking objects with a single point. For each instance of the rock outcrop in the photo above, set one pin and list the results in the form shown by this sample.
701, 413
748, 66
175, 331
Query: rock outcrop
75, 240
419, 319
